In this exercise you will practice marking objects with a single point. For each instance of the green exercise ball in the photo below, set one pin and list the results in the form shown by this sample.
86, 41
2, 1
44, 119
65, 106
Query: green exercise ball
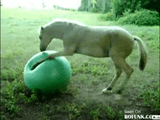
49, 76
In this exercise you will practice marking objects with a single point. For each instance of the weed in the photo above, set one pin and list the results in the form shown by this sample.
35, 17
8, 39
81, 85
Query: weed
152, 99
33, 97
3, 117
16, 91
11, 106
110, 113
121, 115
74, 110
95, 113
10, 99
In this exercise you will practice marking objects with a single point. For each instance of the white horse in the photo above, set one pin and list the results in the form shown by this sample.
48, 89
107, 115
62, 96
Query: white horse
100, 41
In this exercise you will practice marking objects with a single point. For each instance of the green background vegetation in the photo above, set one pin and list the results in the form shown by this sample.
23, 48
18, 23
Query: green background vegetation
137, 12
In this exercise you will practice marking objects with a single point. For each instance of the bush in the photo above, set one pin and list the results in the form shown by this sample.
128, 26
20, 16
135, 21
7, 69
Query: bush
140, 18
107, 17
120, 6
94, 10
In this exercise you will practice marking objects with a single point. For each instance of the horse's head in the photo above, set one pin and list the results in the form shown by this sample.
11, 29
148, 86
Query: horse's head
45, 39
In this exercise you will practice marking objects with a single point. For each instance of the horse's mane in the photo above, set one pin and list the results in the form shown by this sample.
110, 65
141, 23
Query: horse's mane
64, 21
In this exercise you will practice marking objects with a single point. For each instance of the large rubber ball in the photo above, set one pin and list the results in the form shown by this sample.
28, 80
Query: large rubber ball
49, 76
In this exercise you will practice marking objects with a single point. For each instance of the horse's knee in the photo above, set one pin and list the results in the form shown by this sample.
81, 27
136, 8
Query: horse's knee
129, 72
119, 72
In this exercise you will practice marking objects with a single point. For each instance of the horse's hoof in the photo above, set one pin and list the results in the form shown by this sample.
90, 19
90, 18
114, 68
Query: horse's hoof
106, 91
51, 56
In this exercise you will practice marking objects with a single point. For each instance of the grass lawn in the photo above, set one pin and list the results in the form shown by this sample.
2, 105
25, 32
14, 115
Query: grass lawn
82, 100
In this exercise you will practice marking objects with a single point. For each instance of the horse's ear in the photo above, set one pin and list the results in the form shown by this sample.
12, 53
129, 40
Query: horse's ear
42, 28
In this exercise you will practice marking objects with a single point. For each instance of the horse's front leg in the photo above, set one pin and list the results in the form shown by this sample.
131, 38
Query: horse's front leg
65, 52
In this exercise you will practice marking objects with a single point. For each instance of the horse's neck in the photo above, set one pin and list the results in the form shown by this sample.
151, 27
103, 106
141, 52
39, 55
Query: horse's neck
61, 30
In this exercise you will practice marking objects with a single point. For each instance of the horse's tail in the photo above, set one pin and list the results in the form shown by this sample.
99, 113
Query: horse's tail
143, 53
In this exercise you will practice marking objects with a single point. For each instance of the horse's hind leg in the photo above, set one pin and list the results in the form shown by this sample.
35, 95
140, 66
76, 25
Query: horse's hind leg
114, 80
120, 65
127, 69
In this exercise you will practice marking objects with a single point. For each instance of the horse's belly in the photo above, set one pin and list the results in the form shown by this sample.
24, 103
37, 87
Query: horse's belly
94, 51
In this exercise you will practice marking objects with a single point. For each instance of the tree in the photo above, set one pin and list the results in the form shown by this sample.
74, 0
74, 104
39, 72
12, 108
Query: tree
95, 5
84, 5
120, 6
94, 2
43, 5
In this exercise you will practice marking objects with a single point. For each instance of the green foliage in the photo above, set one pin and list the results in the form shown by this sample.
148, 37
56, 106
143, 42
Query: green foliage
144, 17
107, 17
150, 4
105, 111
74, 110
16, 91
95, 6
95, 113
84, 5
110, 113
120, 6
94, 10
10, 100
152, 99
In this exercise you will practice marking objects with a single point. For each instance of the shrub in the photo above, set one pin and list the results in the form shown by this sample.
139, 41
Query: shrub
107, 17
120, 6
94, 10
144, 17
